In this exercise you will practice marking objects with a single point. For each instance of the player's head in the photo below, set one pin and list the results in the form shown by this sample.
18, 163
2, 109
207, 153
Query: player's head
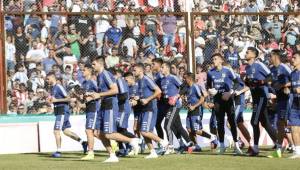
129, 77
156, 64
189, 78
217, 59
296, 59
51, 79
116, 72
98, 64
138, 70
87, 70
166, 69
251, 53
275, 58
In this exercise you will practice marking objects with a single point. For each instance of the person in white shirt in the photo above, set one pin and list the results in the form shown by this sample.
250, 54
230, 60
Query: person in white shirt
131, 45
20, 75
34, 54
10, 51
102, 25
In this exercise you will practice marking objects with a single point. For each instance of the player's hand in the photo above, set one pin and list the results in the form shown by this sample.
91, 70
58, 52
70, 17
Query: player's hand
144, 101
297, 90
272, 96
73, 100
237, 93
50, 99
133, 102
192, 108
277, 86
88, 98
210, 105
212, 91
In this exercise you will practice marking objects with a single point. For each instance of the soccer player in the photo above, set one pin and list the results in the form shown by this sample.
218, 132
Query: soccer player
148, 92
170, 85
60, 99
281, 83
91, 109
195, 98
294, 117
156, 69
107, 91
221, 82
124, 110
257, 76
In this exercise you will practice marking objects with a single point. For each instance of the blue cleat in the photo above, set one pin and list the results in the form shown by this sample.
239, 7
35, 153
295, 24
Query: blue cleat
122, 153
56, 155
85, 147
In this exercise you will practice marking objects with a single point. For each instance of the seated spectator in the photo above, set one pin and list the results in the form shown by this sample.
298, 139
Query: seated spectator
74, 38
113, 34
131, 46
113, 59
21, 74
22, 110
35, 55
150, 44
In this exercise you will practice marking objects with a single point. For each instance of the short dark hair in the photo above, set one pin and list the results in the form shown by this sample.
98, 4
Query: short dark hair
296, 53
51, 73
190, 75
88, 65
254, 50
158, 60
128, 74
168, 65
98, 59
140, 65
218, 55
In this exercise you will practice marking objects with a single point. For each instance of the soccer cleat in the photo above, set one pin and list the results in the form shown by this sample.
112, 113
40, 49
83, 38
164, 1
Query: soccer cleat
241, 143
221, 151
238, 151
197, 148
170, 150
122, 153
84, 146
152, 155
111, 159
275, 154
135, 146
251, 152
56, 155
294, 157
89, 156
164, 146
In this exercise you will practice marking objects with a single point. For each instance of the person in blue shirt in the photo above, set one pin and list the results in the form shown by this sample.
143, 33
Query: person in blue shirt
60, 100
156, 69
91, 109
147, 93
280, 82
221, 83
107, 91
113, 34
195, 98
232, 57
257, 76
294, 115
124, 110
170, 85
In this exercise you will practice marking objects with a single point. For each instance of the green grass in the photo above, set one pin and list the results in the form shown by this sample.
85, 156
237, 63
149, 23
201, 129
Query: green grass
197, 161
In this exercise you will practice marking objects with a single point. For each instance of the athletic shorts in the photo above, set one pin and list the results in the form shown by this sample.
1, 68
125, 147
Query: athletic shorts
147, 121
239, 109
122, 120
92, 120
62, 122
294, 117
282, 108
194, 123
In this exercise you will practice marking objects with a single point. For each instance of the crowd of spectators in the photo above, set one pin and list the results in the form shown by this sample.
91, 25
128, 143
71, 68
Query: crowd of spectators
37, 44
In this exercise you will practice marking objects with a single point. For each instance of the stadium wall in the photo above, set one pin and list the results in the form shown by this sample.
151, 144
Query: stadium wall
34, 137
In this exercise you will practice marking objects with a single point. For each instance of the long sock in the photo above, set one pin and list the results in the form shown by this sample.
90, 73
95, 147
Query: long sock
206, 135
297, 150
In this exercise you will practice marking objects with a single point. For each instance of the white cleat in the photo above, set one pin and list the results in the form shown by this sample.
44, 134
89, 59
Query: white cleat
135, 146
170, 150
294, 157
238, 151
152, 155
112, 159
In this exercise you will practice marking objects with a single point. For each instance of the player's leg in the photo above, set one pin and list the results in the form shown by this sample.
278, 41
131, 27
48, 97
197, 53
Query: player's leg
167, 125
294, 122
213, 123
160, 118
220, 116
57, 129
240, 122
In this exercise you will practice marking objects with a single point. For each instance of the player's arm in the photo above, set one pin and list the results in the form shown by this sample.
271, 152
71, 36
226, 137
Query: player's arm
243, 90
113, 90
156, 93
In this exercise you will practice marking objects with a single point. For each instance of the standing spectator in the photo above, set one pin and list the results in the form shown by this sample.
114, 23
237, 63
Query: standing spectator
102, 25
150, 44
232, 57
131, 46
51, 60
89, 45
83, 25
35, 55
113, 34
74, 38
168, 27
199, 46
21, 74
21, 94
274, 28
211, 41
10, 51
21, 43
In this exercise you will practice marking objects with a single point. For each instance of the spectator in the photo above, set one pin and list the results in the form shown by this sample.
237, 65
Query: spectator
168, 27
113, 34
21, 110
21, 74
51, 60
74, 38
150, 44
113, 59
10, 51
35, 55
131, 46
21, 43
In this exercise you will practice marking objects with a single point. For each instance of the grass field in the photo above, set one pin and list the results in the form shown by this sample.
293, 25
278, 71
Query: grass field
197, 161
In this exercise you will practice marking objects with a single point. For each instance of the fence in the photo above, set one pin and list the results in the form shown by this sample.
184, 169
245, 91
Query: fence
37, 42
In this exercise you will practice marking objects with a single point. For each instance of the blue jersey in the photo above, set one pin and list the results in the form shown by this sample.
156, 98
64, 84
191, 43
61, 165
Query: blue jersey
194, 94
232, 58
104, 81
123, 86
89, 85
158, 78
222, 80
240, 85
257, 71
59, 92
295, 80
281, 75
114, 34
133, 90
170, 86
146, 88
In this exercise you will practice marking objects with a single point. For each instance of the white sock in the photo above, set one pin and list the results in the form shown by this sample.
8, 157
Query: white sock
152, 151
58, 149
222, 145
255, 148
237, 145
297, 150
90, 152
112, 155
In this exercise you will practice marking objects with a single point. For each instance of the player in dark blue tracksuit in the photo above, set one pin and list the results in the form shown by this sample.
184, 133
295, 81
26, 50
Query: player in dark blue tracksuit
294, 115
91, 110
221, 82
195, 98
124, 110
147, 93
60, 99
280, 82
257, 76
108, 90
156, 69
170, 85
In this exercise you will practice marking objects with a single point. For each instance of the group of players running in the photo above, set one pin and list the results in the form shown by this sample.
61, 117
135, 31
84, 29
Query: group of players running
112, 96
